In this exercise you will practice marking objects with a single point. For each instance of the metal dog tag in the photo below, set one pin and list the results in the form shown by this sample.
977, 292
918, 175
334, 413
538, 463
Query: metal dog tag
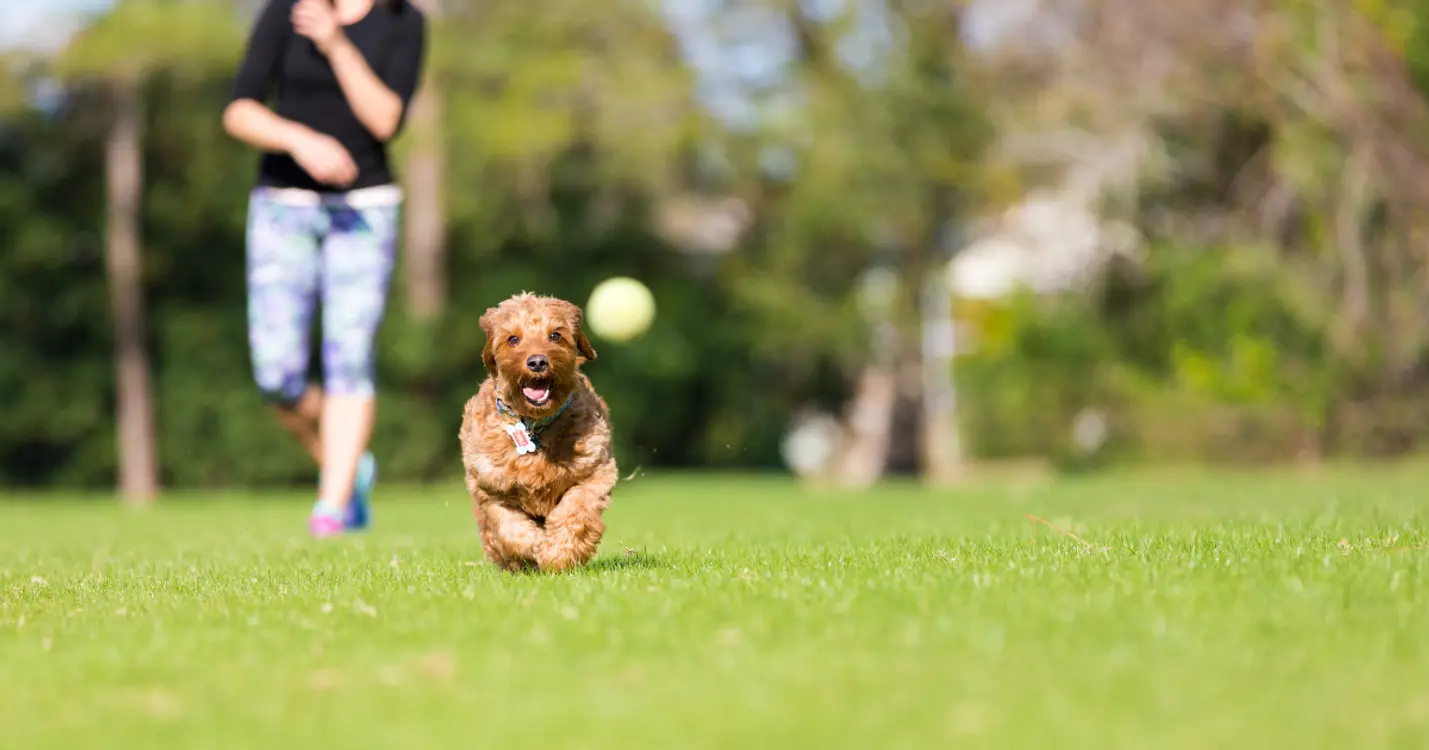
521, 437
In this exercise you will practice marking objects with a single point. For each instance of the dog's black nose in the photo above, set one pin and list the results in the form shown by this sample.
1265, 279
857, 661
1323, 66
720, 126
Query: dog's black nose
537, 363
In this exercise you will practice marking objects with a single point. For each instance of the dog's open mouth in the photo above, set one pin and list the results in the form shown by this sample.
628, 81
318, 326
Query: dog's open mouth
537, 392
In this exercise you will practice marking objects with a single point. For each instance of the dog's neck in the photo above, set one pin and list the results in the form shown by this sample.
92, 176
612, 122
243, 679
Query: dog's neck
533, 426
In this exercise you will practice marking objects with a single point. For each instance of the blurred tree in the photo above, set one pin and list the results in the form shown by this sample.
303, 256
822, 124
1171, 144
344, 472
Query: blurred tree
138, 466
124, 46
12, 84
1287, 133
425, 215
1267, 151
867, 145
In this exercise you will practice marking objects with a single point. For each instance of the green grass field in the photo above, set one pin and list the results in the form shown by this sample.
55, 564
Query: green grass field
1286, 610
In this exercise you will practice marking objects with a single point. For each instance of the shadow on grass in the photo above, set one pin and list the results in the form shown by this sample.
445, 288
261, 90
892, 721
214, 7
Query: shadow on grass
621, 561
627, 560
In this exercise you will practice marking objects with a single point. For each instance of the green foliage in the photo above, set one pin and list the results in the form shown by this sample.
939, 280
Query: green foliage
137, 36
1277, 311
1022, 389
564, 131
688, 392
1200, 353
597, 91
54, 318
1406, 24
12, 84
867, 168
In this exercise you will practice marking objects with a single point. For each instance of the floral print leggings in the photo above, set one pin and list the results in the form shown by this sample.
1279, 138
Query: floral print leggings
300, 246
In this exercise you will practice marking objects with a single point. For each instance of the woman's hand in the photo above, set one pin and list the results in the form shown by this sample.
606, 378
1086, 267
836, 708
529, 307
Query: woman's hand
317, 20
375, 104
322, 157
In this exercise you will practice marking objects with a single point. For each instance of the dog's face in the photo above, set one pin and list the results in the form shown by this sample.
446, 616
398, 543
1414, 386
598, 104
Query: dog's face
534, 347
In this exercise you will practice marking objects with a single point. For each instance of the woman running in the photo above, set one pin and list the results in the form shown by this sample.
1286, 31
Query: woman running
322, 220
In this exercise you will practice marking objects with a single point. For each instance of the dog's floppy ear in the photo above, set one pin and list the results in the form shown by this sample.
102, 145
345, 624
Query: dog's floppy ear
583, 345
574, 316
488, 350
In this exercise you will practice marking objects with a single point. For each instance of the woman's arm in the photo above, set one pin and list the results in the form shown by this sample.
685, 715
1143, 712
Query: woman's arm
380, 102
319, 155
248, 120
257, 126
377, 107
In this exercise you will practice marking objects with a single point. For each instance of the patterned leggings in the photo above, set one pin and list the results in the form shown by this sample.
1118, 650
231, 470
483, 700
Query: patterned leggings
296, 250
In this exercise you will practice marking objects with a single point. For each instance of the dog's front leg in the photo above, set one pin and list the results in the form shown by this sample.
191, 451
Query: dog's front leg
510, 537
574, 528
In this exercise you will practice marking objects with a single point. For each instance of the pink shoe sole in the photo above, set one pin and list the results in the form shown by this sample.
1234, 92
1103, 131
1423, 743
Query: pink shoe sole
324, 526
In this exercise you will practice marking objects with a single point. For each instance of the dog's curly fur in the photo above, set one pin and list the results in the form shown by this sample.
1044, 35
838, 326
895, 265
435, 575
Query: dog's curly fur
540, 509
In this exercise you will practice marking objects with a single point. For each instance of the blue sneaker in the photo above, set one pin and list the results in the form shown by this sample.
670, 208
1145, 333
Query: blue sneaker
359, 510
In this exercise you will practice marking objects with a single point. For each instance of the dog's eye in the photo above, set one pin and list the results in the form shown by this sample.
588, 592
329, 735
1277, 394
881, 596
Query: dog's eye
513, 340
555, 336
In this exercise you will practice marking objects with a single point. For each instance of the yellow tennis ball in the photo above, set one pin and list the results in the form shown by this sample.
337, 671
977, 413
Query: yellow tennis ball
620, 309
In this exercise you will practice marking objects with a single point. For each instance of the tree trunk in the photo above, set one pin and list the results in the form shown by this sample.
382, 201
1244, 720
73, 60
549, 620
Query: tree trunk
864, 453
941, 454
138, 480
942, 445
425, 221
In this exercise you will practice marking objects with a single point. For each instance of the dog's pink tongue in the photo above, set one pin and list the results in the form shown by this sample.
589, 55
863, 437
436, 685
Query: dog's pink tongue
536, 394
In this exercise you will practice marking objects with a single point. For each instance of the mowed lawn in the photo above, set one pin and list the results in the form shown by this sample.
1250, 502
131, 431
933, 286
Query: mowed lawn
1199, 610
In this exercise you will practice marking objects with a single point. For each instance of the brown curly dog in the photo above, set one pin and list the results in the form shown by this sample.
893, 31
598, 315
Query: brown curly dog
535, 439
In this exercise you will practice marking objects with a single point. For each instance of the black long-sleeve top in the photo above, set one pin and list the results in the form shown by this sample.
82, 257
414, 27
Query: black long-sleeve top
282, 62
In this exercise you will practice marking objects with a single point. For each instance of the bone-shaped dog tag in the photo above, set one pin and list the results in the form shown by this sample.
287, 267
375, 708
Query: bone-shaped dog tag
521, 437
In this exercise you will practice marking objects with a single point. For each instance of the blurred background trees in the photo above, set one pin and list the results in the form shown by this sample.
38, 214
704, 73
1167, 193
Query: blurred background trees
1164, 232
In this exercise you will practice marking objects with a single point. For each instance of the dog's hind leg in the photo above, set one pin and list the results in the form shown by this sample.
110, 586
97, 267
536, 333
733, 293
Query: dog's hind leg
574, 528
509, 536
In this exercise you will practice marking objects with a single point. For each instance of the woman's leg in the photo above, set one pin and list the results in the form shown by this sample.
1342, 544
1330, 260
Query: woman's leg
301, 419
282, 265
357, 258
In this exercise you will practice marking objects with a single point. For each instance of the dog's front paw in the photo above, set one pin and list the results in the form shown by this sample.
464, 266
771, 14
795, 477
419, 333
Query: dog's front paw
556, 555
564, 547
557, 563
